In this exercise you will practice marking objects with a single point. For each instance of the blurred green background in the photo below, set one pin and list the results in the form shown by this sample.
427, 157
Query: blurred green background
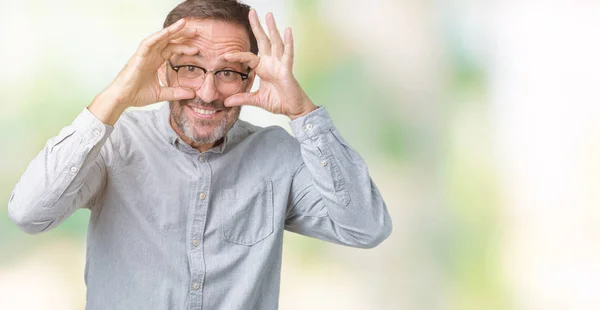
478, 120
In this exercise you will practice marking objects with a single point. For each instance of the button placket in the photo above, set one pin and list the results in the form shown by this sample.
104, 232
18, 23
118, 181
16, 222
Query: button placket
198, 224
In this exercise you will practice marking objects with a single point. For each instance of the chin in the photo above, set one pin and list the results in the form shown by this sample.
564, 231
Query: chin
203, 131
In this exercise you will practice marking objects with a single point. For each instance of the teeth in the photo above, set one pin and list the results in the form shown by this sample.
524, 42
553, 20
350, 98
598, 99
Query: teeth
205, 112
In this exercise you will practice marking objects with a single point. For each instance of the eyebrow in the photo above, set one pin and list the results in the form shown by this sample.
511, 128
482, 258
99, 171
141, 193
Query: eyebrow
221, 60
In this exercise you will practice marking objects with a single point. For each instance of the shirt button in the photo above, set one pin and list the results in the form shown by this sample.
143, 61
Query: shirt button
196, 285
324, 163
196, 242
96, 132
73, 169
202, 196
202, 158
309, 126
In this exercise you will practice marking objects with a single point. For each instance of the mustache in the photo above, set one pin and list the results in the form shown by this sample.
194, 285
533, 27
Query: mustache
215, 104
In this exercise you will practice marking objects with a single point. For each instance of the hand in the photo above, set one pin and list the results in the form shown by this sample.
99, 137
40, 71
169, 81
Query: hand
137, 84
279, 91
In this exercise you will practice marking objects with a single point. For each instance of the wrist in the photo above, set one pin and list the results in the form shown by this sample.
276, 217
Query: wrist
107, 107
308, 107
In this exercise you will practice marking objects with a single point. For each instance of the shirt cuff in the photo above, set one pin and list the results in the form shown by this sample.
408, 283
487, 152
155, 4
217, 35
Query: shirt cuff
90, 127
311, 124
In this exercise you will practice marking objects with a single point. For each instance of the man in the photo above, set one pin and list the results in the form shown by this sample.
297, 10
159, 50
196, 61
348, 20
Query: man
188, 203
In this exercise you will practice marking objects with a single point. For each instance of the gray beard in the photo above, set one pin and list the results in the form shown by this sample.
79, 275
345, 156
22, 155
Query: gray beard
187, 125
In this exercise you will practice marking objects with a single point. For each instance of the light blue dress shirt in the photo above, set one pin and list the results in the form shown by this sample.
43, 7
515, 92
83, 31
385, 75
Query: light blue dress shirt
173, 228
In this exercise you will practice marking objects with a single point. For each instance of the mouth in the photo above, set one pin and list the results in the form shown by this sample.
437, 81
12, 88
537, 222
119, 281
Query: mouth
204, 112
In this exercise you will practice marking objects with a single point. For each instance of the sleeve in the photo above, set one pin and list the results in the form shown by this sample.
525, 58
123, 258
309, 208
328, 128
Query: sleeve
69, 173
333, 198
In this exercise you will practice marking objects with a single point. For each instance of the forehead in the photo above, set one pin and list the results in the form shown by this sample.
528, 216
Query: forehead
216, 37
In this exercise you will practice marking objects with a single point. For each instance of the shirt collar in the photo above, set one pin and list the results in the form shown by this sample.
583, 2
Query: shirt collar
173, 138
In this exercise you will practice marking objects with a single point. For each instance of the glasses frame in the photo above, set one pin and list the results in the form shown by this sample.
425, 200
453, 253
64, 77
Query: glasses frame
206, 71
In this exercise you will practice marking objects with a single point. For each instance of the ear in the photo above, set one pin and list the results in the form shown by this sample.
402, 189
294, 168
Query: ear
162, 75
250, 82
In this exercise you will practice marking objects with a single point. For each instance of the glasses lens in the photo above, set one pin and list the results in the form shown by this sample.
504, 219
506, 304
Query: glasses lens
227, 82
190, 77
229, 88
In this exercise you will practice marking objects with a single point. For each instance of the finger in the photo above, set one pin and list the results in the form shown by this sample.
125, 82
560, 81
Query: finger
150, 41
288, 53
243, 57
276, 43
182, 34
175, 93
264, 44
242, 99
179, 49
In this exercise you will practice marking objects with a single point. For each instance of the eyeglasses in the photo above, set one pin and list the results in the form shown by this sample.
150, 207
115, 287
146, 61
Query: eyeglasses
227, 82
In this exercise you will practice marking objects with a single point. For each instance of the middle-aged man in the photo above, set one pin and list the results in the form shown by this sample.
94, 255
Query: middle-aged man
188, 203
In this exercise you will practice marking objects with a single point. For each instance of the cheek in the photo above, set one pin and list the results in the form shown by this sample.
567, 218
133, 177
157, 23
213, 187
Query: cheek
233, 113
171, 78
177, 110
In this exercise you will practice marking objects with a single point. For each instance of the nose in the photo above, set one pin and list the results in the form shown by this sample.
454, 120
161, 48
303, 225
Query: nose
208, 91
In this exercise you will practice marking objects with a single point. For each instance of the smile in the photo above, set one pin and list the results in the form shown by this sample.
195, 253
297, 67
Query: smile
204, 112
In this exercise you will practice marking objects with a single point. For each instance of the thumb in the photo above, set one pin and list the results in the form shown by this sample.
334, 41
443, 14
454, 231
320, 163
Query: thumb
175, 93
242, 99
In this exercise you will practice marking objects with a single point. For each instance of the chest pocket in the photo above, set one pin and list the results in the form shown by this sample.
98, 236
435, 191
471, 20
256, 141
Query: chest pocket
247, 213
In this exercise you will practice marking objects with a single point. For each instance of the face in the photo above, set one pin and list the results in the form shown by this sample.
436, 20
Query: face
204, 119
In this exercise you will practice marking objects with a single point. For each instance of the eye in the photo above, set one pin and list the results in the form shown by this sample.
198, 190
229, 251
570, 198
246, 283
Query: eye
190, 69
190, 72
228, 76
